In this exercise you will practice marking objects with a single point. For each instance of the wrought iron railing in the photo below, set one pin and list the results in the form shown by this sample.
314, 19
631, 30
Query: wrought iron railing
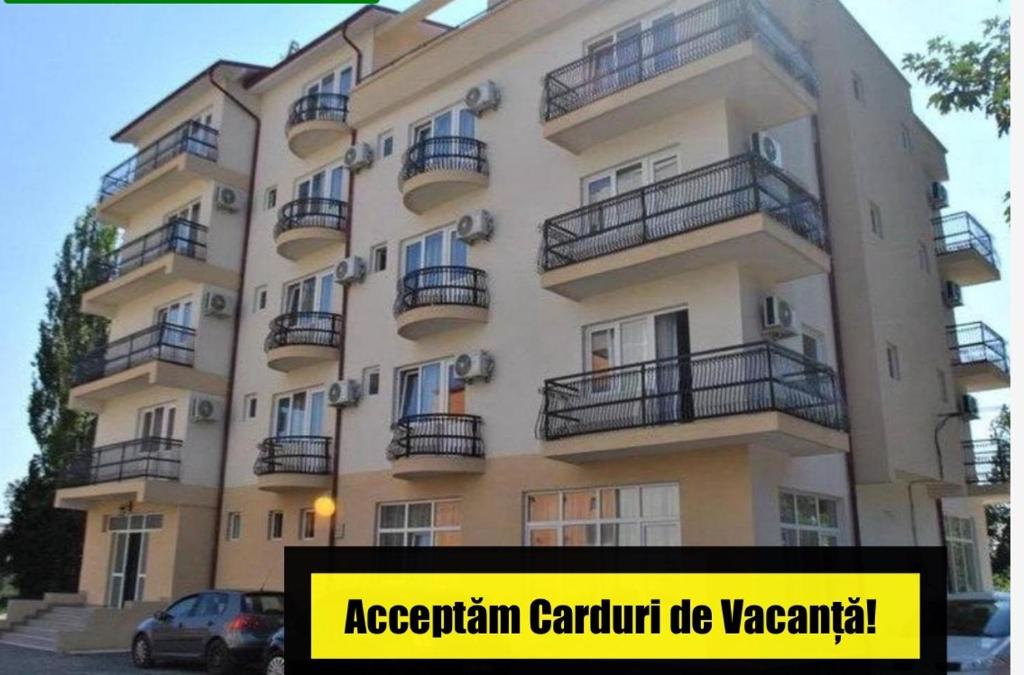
977, 343
445, 153
320, 106
987, 462
150, 457
438, 434
447, 285
160, 342
191, 137
672, 44
178, 236
331, 214
304, 328
961, 232
294, 454
723, 191
738, 380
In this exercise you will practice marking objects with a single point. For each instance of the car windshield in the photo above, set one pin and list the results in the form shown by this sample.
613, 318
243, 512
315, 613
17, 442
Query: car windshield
263, 603
978, 618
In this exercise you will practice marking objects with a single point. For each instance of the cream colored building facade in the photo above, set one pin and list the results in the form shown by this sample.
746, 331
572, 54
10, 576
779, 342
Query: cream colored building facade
615, 273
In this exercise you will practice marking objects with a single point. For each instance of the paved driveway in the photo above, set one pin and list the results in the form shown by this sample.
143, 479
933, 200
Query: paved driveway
34, 662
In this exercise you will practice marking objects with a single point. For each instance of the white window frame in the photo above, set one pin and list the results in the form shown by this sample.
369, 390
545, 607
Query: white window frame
307, 524
819, 341
167, 418
407, 531
306, 420
275, 525
191, 212
647, 165
335, 73
323, 279
375, 252
233, 528
616, 325
185, 308
368, 373
326, 172
259, 299
457, 118
817, 528
449, 235
962, 550
382, 141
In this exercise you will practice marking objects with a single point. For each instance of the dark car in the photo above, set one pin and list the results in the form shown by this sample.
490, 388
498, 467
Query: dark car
273, 657
223, 629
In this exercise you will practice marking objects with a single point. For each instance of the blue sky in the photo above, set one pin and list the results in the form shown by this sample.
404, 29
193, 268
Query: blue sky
71, 75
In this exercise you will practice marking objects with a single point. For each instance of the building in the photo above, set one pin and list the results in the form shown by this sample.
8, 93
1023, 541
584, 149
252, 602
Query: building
611, 273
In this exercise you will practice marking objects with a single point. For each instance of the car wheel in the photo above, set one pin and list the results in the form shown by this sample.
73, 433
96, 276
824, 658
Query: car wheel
275, 665
142, 652
218, 659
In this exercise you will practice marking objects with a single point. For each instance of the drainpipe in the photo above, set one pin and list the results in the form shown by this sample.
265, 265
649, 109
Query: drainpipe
238, 320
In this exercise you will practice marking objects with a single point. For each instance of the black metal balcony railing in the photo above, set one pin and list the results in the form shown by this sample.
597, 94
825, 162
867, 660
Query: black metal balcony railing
191, 137
977, 343
161, 342
178, 236
438, 434
331, 214
961, 232
447, 285
320, 106
294, 454
672, 44
152, 457
723, 191
738, 380
445, 153
304, 328
987, 462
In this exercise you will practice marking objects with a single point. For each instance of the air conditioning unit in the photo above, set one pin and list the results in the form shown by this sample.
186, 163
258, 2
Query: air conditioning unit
218, 304
938, 196
205, 409
227, 199
969, 408
350, 270
475, 225
952, 295
778, 320
343, 393
474, 366
483, 97
359, 156
768, 147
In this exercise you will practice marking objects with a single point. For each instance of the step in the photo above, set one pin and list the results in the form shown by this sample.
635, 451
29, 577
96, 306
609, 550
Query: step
60, 624
69, 610
37, 631
29, 641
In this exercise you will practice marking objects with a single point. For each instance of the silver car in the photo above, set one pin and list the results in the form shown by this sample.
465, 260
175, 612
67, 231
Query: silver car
978, 633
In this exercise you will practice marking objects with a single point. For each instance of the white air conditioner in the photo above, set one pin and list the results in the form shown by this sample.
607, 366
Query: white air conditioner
227, 199
483, 97
205, 409
218, 304
343, 393
358, 156
474, 366
350, 270
778, 320
475, 225
969, 407
768, 147
938, 196
952, 295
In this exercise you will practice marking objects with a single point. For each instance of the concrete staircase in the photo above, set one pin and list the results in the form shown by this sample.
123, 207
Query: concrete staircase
41, 631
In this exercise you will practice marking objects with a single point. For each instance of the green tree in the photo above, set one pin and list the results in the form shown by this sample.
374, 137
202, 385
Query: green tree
997, 516
41, 547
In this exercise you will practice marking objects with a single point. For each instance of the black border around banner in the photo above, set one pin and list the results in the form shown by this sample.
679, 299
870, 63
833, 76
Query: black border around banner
302, 562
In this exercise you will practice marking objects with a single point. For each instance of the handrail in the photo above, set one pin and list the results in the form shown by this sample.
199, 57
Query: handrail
319, 106
148, 457
987, 462
442, 285
977, 343
179, 236
160, 342
293, 454
331, 214
961, 231
437, 434
304, 328
445, 153
190, 137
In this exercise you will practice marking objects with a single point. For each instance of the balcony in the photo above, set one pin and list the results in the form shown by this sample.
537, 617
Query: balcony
757, 393
436, 299
294, 463
309, 224
426, 446
987, 468
317, 121
300, 339
980, 361
731, 50
440, 169
965, 250
172, 253
742, 210
186, 153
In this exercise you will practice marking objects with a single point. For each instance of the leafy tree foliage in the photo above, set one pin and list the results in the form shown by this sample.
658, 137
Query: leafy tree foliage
998, 515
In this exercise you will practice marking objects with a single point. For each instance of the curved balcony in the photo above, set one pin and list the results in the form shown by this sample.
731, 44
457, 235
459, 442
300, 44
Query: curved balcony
300, 339
964, 249
440, 169
987, 467
293, 463
308, 224
317, 121
438, 444
980, 360
435, 299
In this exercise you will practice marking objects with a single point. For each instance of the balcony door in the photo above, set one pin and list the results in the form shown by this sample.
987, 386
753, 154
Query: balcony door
334, 82
299, 413
308, 295
624, 179
173, 341
457, 121
327, 183
431, 388
436, 249
157, 422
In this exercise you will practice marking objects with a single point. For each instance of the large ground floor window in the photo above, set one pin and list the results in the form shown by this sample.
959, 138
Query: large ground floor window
963, 555
428, 523
808, 520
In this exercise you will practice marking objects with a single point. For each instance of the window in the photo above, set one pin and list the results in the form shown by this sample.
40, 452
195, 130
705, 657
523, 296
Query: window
808, 520
307, 524
299, 413
270, 198
635, 174
275, 525
940, 377
635, 515
616, 58
433, 523
876, 220
637, 339
178, 313
905, 138
190, 212
963, 555
923, 257
439, 248
379, 258
430, 388
386, 144
326, 183
337, 81
182, 608
211, 604
137, 522
858, 87
259, 299
892, 356
234, 528
310, 294
455, 121
371, 380
156, 422
249, 406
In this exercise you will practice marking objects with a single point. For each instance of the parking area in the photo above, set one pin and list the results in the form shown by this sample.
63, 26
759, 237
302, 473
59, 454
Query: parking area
21, 660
